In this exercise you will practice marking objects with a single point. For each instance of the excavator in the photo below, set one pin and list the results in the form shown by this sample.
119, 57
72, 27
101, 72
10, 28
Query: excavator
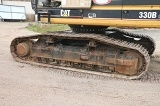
96, 42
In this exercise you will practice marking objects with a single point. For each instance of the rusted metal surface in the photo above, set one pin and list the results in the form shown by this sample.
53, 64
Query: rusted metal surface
22, 49
93, 52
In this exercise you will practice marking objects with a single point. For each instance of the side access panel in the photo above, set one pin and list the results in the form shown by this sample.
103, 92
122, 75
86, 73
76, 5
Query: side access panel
76, 3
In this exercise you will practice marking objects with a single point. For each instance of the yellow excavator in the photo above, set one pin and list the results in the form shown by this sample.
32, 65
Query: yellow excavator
93, 44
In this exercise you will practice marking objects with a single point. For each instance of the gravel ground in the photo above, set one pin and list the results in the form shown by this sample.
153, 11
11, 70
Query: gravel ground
27, 85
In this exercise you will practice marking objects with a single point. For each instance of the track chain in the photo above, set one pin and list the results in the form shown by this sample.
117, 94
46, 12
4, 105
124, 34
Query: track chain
148, 39
97, 37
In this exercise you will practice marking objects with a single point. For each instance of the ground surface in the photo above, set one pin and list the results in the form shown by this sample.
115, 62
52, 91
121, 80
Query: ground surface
27, 85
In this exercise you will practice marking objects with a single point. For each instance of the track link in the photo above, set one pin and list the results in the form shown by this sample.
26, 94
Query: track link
148, 42
42, 61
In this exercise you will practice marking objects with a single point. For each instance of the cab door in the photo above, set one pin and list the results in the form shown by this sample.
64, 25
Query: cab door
141, 9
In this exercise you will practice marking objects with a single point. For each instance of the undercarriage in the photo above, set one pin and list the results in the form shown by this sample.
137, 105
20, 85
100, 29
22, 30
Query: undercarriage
115, 52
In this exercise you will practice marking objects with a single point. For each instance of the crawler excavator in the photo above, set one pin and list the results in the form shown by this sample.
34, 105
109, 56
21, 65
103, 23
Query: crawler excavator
96, 43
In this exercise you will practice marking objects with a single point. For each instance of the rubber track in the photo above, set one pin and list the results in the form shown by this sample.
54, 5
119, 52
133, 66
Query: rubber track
96, 37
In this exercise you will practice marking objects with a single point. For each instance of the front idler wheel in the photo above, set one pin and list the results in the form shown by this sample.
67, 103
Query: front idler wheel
23, 49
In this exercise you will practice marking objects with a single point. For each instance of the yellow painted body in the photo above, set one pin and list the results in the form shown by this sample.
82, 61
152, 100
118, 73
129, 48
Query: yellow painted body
115, 22
106, 22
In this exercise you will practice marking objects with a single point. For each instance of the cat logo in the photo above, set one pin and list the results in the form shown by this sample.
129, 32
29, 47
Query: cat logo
65, 13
